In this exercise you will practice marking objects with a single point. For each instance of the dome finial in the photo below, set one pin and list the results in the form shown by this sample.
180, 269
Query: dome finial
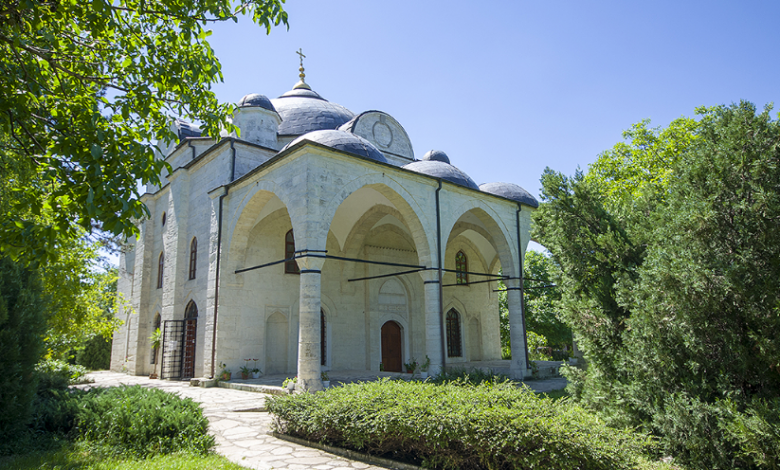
302, 82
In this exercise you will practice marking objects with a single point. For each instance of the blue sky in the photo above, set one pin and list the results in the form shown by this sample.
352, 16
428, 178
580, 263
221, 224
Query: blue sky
509, 88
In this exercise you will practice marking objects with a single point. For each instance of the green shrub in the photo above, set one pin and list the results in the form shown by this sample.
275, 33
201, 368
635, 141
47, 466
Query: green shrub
22, 324
454, 426
461, 376
54, 374
96, 354
142, 421
756, 431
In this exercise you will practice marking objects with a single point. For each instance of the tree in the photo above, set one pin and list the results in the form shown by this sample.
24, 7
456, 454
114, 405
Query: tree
22, 324
673, 288
541, 305
86, 88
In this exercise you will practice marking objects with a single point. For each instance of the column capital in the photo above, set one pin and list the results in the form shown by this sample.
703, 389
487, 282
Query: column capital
310, 261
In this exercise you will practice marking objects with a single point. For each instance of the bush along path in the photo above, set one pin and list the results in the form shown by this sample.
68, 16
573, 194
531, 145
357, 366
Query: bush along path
240, 431
458, 425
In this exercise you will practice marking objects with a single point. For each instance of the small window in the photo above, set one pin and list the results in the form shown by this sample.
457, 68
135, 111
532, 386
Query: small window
163, 219
193, 258
290, 267
323, 340
453, 334
160, 269
462, 267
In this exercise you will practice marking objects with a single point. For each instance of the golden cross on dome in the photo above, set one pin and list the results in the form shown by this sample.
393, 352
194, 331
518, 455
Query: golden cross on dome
300, 53
302, 82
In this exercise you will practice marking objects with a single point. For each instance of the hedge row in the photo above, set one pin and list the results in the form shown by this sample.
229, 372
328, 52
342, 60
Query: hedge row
493, 426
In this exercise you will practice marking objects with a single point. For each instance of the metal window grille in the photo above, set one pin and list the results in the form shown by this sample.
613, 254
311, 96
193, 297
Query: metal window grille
453, 334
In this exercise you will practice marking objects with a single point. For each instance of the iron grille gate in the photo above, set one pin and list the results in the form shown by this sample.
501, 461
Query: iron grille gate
172, 349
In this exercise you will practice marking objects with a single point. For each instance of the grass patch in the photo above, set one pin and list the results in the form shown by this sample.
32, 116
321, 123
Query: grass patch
83, 457
555, 394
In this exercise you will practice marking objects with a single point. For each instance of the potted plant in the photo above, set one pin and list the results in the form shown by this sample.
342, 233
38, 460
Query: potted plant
424, 367
325, 379
225, 374
246, 372
289, 384
156, 340
411, 366
256, 371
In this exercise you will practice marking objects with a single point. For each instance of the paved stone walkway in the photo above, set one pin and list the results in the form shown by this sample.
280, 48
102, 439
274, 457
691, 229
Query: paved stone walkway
241, 430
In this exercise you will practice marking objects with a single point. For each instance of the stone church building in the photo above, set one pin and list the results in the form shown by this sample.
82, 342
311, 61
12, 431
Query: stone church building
314, 240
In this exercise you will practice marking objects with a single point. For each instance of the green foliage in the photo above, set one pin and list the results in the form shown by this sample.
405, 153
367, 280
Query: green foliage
461, 376
60, 374
84, 298
672, 288
139, 421
542, 299
22, 323
96, 354
79, 456
537, 346
87, 87
464, 427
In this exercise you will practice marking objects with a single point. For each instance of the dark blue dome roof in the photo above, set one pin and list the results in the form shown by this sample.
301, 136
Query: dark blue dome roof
442, 170
304, 111
256, 100
510, 191
186, 129
343, 141
436, 156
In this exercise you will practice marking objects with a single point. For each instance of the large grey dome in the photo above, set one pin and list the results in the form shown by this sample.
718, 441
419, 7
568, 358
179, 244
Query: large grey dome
256, 100
343, 141
510, 191
442, 170
304, 111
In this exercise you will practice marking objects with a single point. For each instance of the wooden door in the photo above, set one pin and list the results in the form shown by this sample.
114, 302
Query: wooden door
391, 347
188, 359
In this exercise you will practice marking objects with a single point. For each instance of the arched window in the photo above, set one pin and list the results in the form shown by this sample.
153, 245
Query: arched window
291, 266
462, 267
155, 326
193, 258
191, 312
453, 334
323, 340
160, 269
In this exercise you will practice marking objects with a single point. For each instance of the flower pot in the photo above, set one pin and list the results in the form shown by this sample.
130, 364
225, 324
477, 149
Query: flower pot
152, 376
225, 376
423, 375
255, 375
291, 387
244, 376
326, 383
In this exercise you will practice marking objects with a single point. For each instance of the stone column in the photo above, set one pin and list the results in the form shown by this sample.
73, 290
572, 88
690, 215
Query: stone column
433, 326
517, 367
309, 368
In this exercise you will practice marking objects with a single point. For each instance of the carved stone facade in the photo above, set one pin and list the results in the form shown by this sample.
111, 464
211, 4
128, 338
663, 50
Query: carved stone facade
367, 235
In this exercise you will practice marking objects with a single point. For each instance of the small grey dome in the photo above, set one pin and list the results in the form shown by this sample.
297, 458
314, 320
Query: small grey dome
510, 191
186, 129
343, 141
304, 111
436, 156
256, 100
442, 170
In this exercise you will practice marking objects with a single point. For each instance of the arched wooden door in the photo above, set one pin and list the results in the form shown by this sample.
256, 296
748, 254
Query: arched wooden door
391, 347
190, 333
